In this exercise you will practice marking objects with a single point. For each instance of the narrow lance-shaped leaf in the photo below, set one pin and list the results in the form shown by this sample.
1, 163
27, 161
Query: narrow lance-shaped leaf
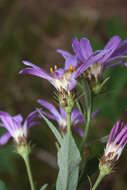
68, 162
52, 127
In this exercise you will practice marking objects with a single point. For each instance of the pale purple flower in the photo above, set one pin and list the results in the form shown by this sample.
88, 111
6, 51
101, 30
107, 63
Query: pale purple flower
116, 143
15, 126
60, 117
63, 79
114, 53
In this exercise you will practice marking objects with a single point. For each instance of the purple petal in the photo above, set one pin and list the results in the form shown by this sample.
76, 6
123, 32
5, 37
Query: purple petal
115, 61
58, 73
113, 42
77, 49
48, 115
114, 131
8, 122
72, 60
79, 131
69, 59
120, 136
75, 45
33, 115
86, 49
36, 71
62, 112
76, 117
123, 140
111, 46
30, 121
18, 118
50, 108
64, 54
121, 50
30, 64
5, 138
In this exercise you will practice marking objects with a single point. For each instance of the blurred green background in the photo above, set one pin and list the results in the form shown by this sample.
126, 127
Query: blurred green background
32, 30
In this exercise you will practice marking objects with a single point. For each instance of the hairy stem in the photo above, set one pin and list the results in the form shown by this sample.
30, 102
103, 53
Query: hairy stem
68, 113
27, 163
86, 129
98, 181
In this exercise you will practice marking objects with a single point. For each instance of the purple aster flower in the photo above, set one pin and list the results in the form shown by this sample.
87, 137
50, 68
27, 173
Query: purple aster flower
60, 117
15, 126
116, 143
63, 79
113, 54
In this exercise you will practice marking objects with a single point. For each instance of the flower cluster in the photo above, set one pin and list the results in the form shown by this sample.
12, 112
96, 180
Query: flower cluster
84, 60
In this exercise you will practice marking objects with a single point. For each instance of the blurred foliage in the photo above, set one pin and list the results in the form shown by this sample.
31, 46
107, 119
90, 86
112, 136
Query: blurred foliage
28, 32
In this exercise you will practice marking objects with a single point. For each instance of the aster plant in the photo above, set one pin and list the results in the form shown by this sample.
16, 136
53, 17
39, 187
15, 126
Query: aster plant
76, 84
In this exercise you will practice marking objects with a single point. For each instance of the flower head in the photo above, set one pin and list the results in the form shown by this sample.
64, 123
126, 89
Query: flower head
15, 127
63, 79
95, 62
60, 117
115, 145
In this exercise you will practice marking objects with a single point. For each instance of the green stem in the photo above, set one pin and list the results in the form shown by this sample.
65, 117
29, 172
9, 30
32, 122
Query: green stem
68, 118
83, 164
68, 112
99, 179
27, 163
86, 129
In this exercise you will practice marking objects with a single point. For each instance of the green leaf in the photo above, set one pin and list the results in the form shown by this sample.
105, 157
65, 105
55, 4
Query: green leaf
44, 187
68, 162
52, 127
2, 185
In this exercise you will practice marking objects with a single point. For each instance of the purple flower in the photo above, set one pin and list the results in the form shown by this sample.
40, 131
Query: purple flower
15, 126
63, 79
95, 62
69, 59
116, 143
60, 117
